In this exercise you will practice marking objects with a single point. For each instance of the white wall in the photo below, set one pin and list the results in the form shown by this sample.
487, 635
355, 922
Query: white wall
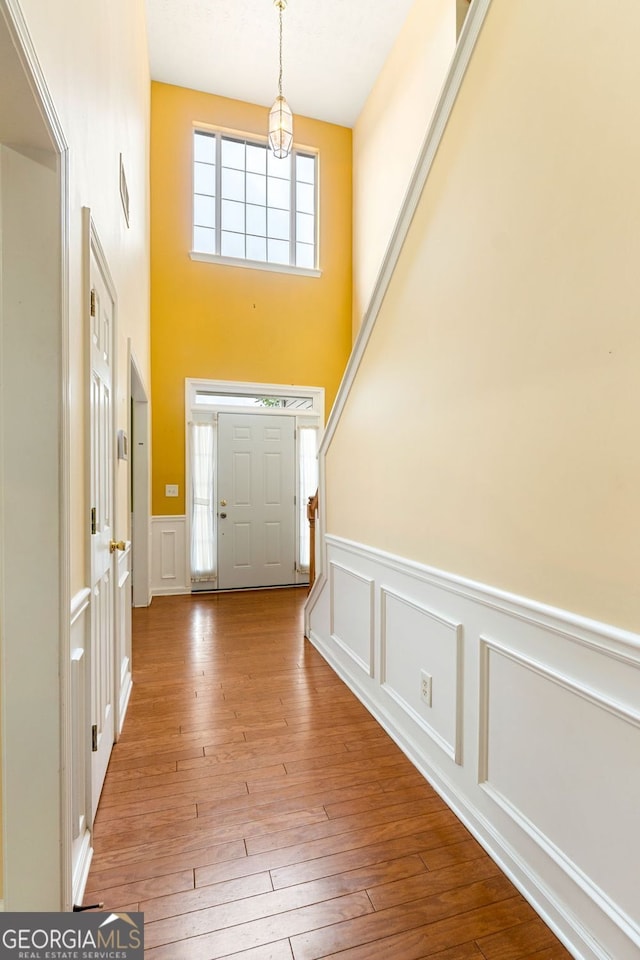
491, 427
531, 736
94, 60
389, 132
88, 64
481, 468
30, 434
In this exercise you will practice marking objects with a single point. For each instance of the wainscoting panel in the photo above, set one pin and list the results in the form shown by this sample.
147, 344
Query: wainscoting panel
81, 849
352, 615
532, 736
417, 642
123, 635
169, 573
566, 735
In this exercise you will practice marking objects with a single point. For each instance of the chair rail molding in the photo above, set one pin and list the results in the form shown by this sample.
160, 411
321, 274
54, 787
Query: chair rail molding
533, 718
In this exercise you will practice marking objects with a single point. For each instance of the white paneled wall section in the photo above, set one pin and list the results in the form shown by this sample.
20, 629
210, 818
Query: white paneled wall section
532, 734
169, 566
82, 851
80, 633
123, 635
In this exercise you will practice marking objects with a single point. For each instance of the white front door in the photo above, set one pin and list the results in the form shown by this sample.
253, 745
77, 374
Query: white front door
256, 500
102, 311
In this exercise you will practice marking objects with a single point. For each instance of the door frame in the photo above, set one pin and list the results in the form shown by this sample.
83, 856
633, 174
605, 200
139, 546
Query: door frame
35, 638
313, 416
92, 246
138, 484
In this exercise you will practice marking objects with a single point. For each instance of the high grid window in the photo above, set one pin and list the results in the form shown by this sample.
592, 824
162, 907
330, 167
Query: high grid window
249, 205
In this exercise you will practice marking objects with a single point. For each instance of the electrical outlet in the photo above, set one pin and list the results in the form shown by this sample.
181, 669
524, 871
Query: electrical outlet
171, 490
426, 684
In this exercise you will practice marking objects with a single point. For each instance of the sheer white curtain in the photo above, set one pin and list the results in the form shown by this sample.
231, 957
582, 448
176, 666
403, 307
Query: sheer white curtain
203, 514
308, 472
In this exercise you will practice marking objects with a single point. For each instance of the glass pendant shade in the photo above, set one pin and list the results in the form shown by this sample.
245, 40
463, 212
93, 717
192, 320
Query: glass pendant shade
280, 128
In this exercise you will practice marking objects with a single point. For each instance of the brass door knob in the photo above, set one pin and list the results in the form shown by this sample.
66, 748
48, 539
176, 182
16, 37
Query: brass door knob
117, 545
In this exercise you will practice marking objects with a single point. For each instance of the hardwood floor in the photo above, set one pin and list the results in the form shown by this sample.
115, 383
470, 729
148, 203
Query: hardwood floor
254, 809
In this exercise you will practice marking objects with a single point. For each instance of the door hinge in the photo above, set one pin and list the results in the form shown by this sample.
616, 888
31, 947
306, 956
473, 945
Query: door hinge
93, 303
94, 738
93, 521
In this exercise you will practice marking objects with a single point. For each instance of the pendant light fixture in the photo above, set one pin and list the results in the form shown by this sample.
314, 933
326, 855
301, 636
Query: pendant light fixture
280, 116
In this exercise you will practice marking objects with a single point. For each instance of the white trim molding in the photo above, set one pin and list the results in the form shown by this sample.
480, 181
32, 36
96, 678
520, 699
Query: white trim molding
352, 620
37, 825
255, 265
591, 761
531, 736
123, 636
79, 603
82, 850
169, 569
139, 485
428, 640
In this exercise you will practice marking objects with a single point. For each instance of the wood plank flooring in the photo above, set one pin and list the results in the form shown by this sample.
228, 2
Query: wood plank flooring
253, 809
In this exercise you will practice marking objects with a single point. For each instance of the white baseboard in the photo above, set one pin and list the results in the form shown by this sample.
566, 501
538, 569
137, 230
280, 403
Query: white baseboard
81, 868
531, 735
170, 591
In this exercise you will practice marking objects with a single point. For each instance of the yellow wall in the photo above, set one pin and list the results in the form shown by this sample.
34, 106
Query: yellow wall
233, 323
493, 427
462, 9
389, 133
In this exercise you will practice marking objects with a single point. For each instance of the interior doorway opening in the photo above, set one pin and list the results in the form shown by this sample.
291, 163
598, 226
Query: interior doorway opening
43, 831
139, 491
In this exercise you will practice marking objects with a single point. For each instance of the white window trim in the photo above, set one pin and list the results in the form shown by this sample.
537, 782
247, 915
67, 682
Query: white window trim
255, 264
268, 266
247, 388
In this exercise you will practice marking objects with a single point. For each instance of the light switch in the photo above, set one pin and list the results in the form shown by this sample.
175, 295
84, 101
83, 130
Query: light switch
171, 490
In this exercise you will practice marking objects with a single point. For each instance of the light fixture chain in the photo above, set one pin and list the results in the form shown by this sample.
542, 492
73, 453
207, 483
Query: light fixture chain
280, 75
280, 116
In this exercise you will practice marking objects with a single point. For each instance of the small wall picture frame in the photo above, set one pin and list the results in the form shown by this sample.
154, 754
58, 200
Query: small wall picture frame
124, 192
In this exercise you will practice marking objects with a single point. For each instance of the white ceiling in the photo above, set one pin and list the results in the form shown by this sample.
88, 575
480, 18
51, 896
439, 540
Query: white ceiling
332, 50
